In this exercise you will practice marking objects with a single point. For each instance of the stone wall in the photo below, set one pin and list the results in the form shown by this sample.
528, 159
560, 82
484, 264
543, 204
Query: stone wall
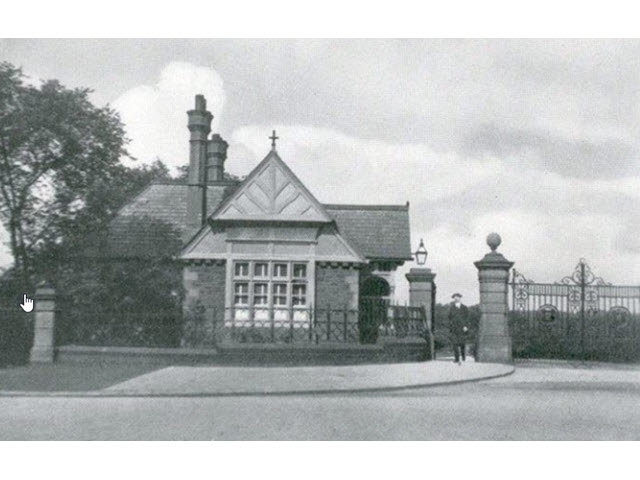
337, 287
204, 302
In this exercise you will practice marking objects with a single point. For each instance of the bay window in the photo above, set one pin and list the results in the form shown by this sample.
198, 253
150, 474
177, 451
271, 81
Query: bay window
270, 291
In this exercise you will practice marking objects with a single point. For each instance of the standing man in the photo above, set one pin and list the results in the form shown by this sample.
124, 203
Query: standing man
458, 327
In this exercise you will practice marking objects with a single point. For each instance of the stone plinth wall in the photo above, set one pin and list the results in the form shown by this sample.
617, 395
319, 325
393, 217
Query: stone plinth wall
248, 355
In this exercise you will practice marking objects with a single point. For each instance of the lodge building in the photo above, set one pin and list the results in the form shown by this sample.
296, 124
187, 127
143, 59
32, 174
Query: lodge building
263, 250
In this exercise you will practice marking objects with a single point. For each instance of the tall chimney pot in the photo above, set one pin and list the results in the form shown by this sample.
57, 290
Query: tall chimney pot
201, 103
199, 127
216, 155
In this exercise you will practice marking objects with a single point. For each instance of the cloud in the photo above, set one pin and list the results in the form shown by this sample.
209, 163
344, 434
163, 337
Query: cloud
155, 115
572, 157
570, 107
547, 220
325, 159
534, 139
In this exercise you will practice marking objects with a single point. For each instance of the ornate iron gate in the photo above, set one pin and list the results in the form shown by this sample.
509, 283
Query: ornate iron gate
582, 316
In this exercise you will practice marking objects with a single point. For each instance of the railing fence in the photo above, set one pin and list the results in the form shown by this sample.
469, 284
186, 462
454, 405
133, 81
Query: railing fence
210, 327
582, 317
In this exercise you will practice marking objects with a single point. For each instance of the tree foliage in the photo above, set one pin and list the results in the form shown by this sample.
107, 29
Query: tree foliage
60, 172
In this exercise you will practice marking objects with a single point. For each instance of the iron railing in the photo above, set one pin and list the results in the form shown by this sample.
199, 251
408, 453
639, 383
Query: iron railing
210, 327
582, 316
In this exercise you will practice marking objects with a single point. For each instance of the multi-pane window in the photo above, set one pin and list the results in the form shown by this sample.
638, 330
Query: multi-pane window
241, 269
280, 270
260, 294
261, 270
280, 294
299, 271
299, 295
260, 287
241, 293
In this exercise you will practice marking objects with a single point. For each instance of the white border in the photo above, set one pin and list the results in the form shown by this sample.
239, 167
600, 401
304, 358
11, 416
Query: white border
330, 18
320, 460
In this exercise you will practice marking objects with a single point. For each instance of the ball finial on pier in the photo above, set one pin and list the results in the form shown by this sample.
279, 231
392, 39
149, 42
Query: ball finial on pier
494, 241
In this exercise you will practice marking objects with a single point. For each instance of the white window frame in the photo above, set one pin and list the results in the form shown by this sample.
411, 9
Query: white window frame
250, 312
254, 265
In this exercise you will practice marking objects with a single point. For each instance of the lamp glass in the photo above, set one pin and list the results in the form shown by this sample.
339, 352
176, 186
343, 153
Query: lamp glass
421, 254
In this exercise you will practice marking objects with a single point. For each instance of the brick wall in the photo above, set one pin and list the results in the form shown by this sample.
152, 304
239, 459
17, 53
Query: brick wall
336, 286
204, 297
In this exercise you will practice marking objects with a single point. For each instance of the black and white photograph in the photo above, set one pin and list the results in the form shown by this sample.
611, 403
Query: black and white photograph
320, 239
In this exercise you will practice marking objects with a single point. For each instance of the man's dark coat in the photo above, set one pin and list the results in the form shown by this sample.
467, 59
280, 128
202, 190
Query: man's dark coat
458, 319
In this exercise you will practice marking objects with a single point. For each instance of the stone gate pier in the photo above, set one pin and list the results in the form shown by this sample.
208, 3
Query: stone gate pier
494, 340
43, 350
422, 290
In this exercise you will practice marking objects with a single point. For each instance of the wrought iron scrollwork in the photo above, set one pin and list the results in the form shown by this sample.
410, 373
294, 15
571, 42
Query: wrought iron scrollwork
583, 285
547, 314
520, 290
583, 275
581, 314
620, 317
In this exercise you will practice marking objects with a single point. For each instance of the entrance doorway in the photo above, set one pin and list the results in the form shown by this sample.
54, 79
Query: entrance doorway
373, 308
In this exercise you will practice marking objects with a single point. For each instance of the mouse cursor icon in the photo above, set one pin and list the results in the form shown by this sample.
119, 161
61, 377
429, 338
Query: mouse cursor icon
27, 306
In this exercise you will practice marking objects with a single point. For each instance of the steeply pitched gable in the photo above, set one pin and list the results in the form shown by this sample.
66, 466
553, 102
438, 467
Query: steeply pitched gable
272, 192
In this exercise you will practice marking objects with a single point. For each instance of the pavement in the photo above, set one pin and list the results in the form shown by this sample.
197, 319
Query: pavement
290, 380
552, 401
184, 381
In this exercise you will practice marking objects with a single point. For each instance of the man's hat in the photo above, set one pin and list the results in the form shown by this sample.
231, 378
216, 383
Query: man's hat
456, 295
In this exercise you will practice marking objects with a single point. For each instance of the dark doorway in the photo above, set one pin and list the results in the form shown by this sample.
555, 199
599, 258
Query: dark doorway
375, 287
374, 304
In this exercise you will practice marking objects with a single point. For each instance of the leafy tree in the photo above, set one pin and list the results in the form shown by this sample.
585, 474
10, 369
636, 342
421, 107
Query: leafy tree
84, 229
59, 161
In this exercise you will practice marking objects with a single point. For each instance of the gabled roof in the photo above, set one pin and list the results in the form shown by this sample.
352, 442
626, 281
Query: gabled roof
272, 192
376, 231
155, 222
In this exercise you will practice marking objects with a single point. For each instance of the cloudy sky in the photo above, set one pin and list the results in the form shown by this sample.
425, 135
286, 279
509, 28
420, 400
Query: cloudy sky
537, 140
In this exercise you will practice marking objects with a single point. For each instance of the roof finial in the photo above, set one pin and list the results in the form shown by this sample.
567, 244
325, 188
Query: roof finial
273, 140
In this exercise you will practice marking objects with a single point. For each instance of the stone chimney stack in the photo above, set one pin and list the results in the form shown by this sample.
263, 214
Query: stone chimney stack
200, 127
216, 155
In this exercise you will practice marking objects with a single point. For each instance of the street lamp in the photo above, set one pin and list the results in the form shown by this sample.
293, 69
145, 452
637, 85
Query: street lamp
421, 254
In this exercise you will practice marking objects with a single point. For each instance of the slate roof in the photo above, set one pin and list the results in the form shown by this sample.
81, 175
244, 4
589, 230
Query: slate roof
376, 231
154, 224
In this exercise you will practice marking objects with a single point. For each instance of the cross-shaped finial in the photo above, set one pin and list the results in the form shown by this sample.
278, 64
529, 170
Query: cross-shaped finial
273, 140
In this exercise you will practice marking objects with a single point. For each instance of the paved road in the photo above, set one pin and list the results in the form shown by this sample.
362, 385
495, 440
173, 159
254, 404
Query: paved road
534, 403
